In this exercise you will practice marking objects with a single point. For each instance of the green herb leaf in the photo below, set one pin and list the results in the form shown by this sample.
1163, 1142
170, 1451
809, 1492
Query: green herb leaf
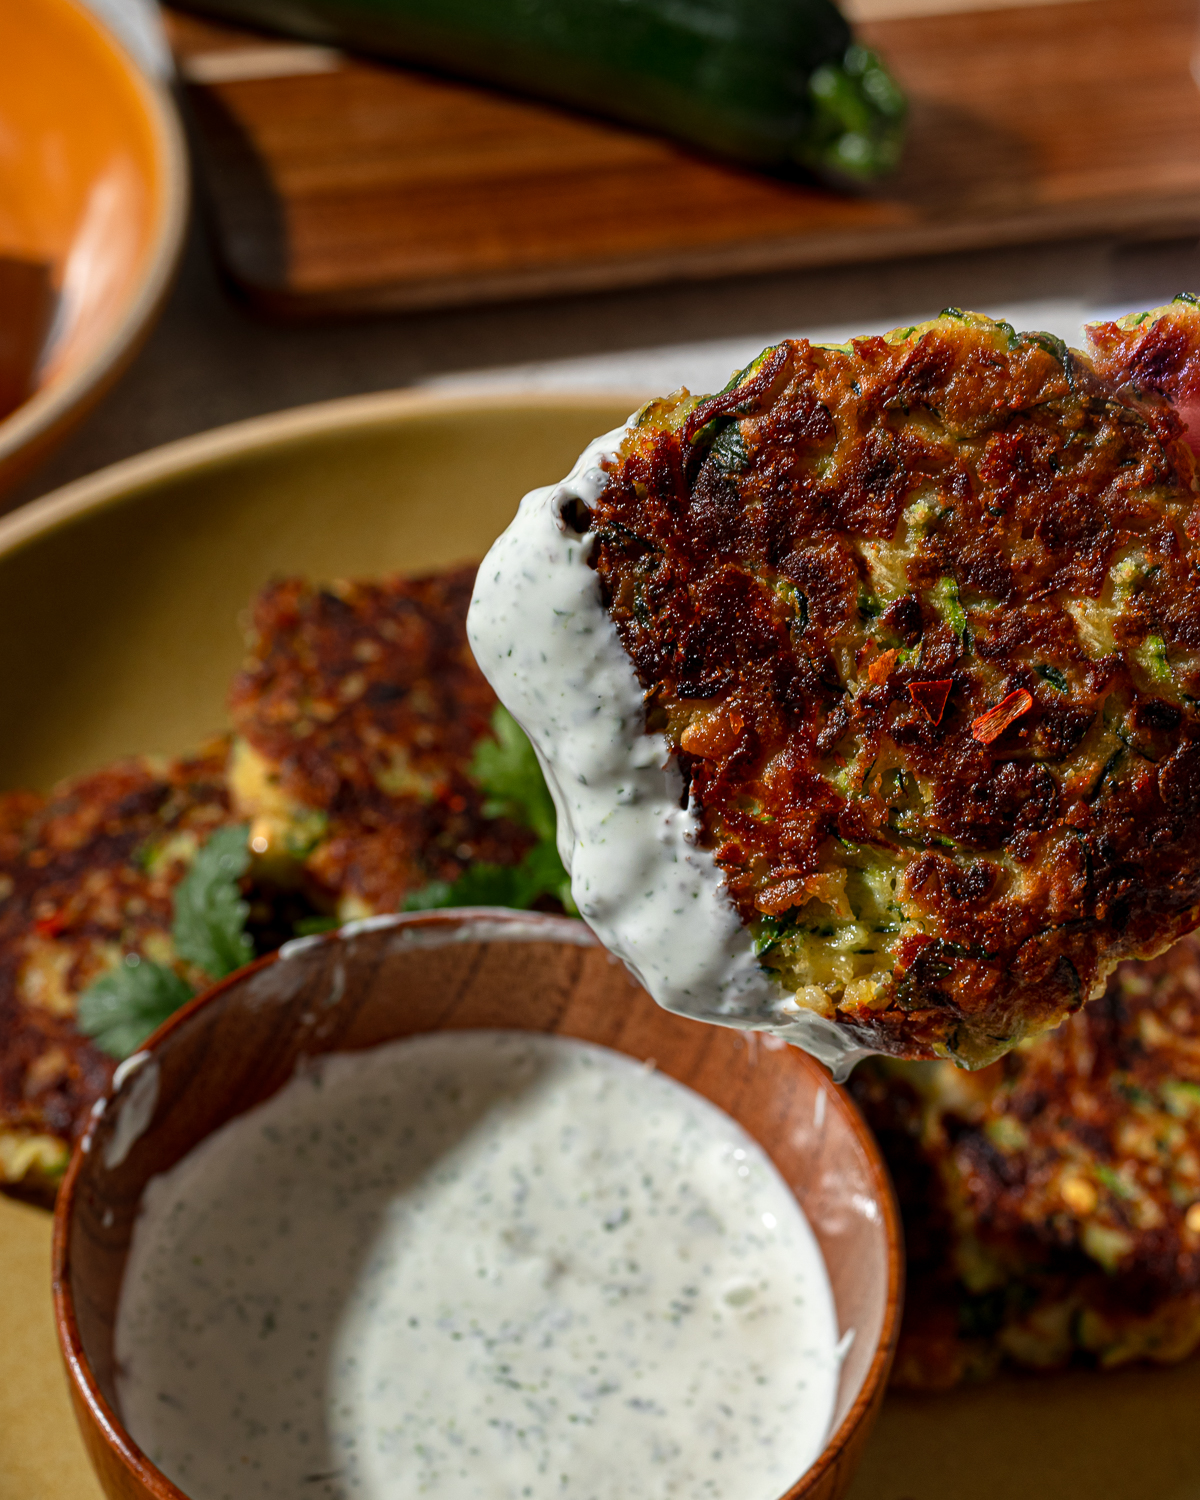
767, 931
1113, 1182
480, 885
122, 1007
436, 893
540, 873
1180, 1095
1053, 676
210, 915
544, 871
311, 926
506, 770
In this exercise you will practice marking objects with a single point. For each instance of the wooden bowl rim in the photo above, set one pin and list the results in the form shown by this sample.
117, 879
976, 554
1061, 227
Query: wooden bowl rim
35, 420
530, 927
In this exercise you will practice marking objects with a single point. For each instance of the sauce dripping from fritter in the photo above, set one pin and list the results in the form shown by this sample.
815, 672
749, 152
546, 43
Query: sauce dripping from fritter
542, 636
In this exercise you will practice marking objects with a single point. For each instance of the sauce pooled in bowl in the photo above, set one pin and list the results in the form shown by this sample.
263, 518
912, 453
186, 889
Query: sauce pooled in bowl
482, 1264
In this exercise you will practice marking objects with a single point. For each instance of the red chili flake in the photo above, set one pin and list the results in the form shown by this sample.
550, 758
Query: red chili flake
50, 926
881, 668
930, 697
991, 725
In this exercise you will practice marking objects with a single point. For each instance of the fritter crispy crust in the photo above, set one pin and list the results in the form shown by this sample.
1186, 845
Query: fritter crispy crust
921, 616
1154, 354
1051, 1203
358, 711
85, 876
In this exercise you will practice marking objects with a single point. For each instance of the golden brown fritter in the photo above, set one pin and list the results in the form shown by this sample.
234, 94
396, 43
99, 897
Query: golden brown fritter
1051, 1202
86, 876
357, 715
1153, 353
921, 616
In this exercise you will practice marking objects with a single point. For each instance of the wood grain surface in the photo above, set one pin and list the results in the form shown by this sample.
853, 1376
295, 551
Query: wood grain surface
337, 184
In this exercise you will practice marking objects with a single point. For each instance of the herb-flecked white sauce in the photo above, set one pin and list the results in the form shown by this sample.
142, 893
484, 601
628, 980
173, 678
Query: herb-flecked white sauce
477, 1264
547, 645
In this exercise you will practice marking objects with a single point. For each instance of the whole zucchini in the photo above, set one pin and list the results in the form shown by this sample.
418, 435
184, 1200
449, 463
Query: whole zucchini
776, 84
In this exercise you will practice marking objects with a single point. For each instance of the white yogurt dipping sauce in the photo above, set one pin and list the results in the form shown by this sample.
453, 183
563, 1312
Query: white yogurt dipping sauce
477, 1264
650, 892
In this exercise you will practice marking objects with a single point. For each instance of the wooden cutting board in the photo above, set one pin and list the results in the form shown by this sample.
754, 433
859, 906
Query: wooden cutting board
336, 184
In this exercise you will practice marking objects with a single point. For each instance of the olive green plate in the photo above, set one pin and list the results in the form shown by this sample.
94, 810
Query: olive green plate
120, 595
119, 599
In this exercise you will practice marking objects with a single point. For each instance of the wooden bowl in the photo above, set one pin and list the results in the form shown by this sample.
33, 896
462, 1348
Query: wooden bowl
93, 200
395, 976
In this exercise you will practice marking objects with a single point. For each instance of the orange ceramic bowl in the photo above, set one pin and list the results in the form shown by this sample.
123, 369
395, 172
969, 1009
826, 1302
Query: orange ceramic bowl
93, 195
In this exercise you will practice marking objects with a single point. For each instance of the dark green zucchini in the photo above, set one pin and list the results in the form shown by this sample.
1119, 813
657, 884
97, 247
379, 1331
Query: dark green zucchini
777, 84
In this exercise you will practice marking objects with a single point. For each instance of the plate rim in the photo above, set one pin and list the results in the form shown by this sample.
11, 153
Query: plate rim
215, 446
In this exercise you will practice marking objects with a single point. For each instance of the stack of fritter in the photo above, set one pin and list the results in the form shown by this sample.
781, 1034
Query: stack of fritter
358, 714
86, 877
1051, 1202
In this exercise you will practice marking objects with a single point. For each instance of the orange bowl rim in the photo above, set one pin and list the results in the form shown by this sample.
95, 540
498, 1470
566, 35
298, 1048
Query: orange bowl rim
37, 418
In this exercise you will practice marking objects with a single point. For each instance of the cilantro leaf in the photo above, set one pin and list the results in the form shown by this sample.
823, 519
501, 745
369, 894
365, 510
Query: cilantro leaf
436, 893
478, 885
122, 1007
540, 873
543, 868
210, 914
506, 770
312, 926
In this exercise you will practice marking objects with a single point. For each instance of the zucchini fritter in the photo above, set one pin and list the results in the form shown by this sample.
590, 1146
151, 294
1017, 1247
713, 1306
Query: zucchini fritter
86, 876
1154, 353
920, 617
1051, 1203
357, 714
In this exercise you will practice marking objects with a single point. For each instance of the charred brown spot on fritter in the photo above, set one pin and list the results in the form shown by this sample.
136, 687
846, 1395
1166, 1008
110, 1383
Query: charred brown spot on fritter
1155, 353
1052, 1202
358, 712
86, 875
799, 566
